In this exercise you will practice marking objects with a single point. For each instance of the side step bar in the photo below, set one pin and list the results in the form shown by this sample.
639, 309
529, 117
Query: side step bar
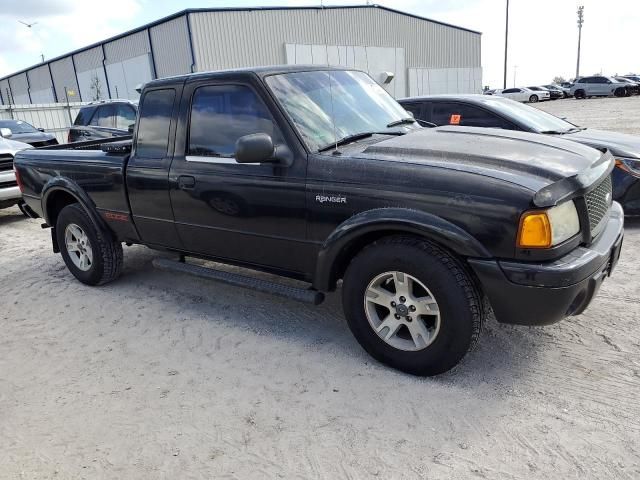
300, 294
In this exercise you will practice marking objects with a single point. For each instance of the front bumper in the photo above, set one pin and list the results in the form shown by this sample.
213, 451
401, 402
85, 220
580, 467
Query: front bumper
543, 293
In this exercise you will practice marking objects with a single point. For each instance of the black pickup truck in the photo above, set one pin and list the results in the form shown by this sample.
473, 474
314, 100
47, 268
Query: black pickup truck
317, 174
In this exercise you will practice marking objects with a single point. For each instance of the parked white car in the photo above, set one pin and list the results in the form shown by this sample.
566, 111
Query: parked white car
9, 192
523, 94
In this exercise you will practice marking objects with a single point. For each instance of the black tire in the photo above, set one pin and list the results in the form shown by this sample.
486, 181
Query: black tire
533, 99
580, 94
106, 253
459, 302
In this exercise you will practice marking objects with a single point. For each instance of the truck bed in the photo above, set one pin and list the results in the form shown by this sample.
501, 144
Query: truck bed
97, 167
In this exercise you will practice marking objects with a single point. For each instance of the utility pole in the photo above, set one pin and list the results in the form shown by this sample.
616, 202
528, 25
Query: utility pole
506, 43
515, 70
580, 22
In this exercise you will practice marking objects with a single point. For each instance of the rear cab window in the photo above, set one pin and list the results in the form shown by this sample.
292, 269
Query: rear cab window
84, 116
156, 109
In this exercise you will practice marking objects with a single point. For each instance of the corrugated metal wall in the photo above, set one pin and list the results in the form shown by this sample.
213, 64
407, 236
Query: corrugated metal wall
64, 76
5, 93
19, 88
88, 60
40, 86
128, 47
171, 50
227, 39
240, 38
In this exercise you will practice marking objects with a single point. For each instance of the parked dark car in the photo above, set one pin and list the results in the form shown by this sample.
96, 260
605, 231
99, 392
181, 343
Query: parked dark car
556, 92
633, 87
317, 174
24, 132
496, 112
635, 78
105, 119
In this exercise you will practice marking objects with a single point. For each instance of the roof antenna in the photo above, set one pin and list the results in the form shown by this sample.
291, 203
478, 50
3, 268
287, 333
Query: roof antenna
326, 50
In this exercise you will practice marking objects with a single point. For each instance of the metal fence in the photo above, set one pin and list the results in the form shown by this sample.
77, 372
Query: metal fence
55, 118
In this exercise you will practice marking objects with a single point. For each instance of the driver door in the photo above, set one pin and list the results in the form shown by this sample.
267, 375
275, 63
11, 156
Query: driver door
249, 213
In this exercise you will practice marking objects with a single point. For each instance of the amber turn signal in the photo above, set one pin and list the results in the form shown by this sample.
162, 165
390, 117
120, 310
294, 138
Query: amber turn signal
535, 230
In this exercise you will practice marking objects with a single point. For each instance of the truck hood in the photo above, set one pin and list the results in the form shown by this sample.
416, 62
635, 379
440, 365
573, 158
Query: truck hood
619, 144
11, 146
552, 168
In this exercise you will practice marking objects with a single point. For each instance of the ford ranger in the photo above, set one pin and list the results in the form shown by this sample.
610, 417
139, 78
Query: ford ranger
317, 174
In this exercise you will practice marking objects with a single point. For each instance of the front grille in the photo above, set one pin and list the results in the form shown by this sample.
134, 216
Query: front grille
6, 162
598, 202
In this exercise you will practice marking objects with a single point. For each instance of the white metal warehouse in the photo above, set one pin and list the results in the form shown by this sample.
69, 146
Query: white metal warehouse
425, 56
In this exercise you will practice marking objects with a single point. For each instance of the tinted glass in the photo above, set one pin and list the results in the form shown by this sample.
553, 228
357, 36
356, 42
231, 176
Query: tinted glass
415, 109
125, 116
326, 106
511, 90
84, 115
531, 117
221, 114
445, 113
599, 80
17, 126
103, 116
155, 119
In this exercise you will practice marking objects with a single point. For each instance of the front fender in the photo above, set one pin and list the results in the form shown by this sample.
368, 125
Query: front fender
392, 220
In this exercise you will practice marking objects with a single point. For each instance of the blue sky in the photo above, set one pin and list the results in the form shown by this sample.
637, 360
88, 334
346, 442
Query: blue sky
542, 42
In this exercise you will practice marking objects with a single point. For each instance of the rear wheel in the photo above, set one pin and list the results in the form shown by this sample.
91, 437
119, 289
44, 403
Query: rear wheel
411, 305
89, 253
580, 94
533, 99
620, 92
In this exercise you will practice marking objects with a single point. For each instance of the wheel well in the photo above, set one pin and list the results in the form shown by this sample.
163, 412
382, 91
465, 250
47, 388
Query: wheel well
343, 260
56, 202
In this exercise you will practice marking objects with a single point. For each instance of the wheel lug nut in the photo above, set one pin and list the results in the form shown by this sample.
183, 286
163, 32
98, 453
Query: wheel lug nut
393, 304
412, 308
397, 316
402, 299
409, 319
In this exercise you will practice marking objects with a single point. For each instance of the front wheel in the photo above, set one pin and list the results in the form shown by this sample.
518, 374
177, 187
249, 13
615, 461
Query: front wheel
533, 99
89, 253
411, 305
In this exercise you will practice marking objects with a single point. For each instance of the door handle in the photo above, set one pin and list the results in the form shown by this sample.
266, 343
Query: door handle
186, 182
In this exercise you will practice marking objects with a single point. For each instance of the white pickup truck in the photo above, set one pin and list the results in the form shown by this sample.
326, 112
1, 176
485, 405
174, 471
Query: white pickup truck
9, 192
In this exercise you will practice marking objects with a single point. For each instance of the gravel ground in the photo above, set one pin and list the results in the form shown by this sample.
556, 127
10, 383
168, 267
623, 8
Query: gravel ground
166, 376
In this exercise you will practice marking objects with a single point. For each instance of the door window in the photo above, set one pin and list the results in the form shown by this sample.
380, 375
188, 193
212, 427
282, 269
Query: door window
446, 113
103, 116
155, 119
125, 116
415, 109
221, 114
511, 90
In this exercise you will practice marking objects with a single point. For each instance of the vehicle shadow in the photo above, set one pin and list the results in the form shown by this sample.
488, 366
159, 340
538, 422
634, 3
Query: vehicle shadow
632, 223
503, 354
11, 216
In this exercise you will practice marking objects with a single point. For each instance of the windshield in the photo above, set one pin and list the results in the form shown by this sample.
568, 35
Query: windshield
327, 106
533, 118
17, 126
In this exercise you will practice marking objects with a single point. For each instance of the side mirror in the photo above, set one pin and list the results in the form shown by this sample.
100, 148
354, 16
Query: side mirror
254, 148
130, 128
41, 129
5, 133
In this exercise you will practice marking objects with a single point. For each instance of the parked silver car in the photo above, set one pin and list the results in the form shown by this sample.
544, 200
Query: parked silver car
9, 192
598, 86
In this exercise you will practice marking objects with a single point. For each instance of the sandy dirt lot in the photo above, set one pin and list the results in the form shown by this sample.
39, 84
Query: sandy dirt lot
166, 376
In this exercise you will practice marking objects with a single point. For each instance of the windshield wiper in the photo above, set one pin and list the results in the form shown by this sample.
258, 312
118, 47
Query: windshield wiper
562, 132
353, 138
402, 121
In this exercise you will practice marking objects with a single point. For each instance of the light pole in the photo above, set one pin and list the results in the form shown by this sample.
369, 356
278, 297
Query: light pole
580, 22
506, 43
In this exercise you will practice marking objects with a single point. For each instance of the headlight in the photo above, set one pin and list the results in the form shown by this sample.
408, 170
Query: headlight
547, 228
629, 165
